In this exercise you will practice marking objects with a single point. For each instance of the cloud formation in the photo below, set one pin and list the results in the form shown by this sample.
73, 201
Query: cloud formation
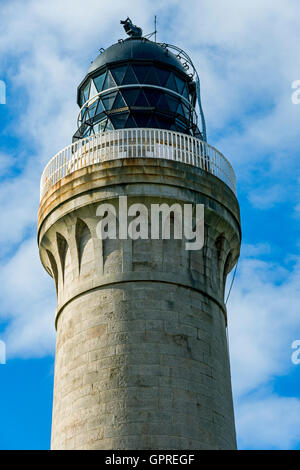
263, 323
27, 303
247, 58
268, 423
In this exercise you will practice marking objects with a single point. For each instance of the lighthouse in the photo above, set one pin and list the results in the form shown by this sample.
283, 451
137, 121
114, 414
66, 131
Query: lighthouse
142, 358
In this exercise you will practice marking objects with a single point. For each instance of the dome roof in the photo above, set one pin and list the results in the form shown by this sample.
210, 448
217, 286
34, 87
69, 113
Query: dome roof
136, 83
136, 49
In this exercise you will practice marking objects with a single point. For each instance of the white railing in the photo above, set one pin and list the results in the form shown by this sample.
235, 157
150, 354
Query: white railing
135, 143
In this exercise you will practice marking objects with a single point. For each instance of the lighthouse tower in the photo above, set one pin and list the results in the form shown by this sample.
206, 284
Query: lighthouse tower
142, 358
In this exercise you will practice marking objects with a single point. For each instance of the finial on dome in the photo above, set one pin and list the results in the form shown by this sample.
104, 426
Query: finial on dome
131, 29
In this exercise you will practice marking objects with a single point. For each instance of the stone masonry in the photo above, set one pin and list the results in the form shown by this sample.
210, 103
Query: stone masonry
141, 356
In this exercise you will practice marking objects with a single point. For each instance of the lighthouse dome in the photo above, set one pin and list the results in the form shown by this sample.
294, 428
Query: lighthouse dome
139, 49
136, 83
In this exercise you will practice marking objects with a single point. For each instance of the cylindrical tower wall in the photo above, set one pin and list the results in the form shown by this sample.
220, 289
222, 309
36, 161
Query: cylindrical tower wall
141, 357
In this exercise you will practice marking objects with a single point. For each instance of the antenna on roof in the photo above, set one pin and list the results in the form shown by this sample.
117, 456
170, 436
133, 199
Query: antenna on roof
148, 36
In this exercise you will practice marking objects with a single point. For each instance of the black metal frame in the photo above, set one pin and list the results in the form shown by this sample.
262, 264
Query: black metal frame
174, 108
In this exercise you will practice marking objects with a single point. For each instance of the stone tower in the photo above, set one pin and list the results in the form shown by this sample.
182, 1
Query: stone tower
141, 356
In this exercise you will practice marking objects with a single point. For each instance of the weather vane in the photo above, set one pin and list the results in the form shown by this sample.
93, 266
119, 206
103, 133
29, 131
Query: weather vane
131, 29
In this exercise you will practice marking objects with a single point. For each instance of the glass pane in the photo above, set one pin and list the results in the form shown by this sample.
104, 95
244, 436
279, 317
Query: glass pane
163, 76
152, 77
156, 122
163, 104
82, 100
186, 112
100, 108
180, 109
86, 91
119, 102
130, 96
109, 126
93, 90
81, 129
180, 84
108, 100
141, 100
87, 132
119, 120
129, 77
83, 113
109, 81
173, 103
152, 122
152, 96
185, 91
171, 82
100, 126
92, 109
180, 124
96, 129
163, 123
131, 122
99, 81
141, 72
118, 73
141, 120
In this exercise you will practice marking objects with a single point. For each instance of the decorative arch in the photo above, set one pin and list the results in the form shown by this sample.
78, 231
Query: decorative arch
54, 270
83, 236
62, 248
219, 244
227, 265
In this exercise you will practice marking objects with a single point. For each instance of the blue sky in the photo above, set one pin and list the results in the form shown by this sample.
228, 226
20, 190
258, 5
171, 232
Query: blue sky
247, 57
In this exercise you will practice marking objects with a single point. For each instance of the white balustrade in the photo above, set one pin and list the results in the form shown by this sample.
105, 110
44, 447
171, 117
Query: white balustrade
136, 143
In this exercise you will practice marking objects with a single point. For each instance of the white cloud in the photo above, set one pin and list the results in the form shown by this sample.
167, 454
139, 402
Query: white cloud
247, 68
247, 58
18, 205
6, 162
259, 249
28, 302
263, 321
238, 69
266, 198
268, 423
